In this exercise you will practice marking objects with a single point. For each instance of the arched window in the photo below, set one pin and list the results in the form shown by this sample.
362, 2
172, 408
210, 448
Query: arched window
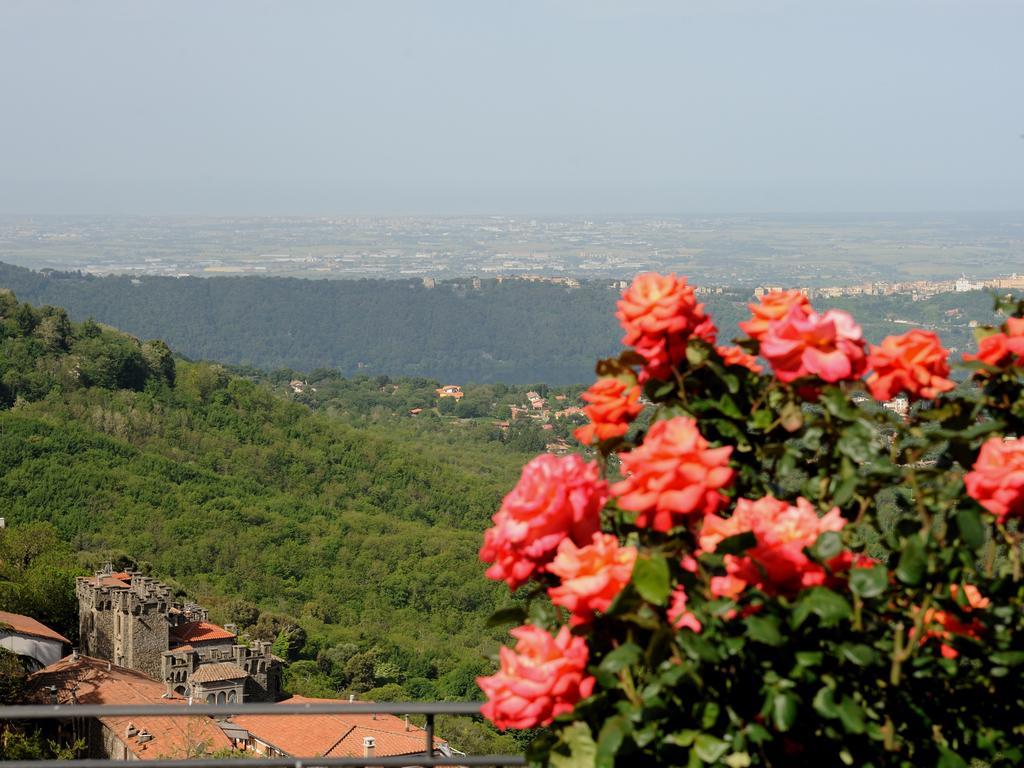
211, 699
232, 698
221, 698
180, 690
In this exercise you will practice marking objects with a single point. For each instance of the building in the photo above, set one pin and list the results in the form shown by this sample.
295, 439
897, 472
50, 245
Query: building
343, 735
84, 680
451, 390
133, 621
33, 641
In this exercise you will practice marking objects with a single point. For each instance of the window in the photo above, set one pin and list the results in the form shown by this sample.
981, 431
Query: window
221, 698
232, 698
210, 699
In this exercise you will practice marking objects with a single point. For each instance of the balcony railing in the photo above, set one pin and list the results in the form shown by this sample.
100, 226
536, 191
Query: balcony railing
428, 709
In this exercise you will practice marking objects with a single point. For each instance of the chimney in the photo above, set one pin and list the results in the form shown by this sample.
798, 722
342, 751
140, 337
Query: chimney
131, 730
53, 694
351, 697
144, 736
369, 746
74, 654
407, 723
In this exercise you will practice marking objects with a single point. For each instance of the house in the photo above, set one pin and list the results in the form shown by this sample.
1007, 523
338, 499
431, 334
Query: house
32, 640
341, 735
450, 390
79, 679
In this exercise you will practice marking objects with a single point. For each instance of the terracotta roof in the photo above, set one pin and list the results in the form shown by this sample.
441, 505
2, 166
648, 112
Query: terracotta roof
122, 575
335, 735
198, 632
221, 670
107, 581
86, 680
26, 625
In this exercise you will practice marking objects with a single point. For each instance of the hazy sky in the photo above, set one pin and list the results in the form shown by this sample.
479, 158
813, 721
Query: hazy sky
295, 107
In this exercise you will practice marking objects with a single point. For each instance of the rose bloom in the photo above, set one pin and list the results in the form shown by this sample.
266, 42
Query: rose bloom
773, 306
1000, 348
659, 314
556, 497
996, 481
541, 679
776, 564
592, 576
914, 363
943, 625
829, 346
678, 616
613, 405
673, 474
736, 356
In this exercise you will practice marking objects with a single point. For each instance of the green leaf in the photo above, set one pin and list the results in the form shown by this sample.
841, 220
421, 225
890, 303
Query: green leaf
1008, 658
710, 715
651, 578
858, 653
613, 733
764, 629
913, 561
784, 709
622, 657
710, 748
513, 615
869, 582
851, 715
728, 406
735, 545
950, 759
823, 603
825, 704
971, 531
582, 749
828, 545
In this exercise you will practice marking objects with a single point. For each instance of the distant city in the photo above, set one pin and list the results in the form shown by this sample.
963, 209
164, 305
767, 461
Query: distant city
836, 255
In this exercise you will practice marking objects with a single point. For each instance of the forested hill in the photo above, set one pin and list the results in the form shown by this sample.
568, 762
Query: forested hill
515, 332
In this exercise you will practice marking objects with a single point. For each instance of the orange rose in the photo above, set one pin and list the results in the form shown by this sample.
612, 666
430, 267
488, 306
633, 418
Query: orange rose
672, 475
776, 564
556, 497
659, 314
951, 624
914, 363
736, 356
996, 481
1002, 348
592, 576
773, 306
541, 679
613, 405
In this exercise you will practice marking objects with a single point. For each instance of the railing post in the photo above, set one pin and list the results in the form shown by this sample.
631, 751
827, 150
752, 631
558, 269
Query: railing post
430, 734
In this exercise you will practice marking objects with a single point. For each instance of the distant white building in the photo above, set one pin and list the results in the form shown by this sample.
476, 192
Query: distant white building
31, 639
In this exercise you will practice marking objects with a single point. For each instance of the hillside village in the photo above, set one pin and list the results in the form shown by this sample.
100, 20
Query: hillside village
141, 646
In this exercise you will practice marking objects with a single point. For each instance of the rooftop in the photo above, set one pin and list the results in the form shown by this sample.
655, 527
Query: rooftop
221, 670
198, 632
26, 625
334, 735
85, 680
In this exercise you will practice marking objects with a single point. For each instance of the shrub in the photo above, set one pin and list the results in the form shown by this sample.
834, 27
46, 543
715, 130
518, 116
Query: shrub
808, 578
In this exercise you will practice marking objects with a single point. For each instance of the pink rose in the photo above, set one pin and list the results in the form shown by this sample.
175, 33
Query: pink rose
592, 576
996, 481
678, 616
828, 346
541, 679
774, 306
556, 497
675, 473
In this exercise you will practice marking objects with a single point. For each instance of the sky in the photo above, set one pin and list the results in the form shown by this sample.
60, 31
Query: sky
528, 106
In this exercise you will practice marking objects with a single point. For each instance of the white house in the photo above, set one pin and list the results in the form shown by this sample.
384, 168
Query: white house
31, 639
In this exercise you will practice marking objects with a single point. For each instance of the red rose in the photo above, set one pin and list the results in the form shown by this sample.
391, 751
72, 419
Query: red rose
673, 474
556, 497
613, 405
659, 314
773, 306
996, 481
943, 625
592, 576
541, 679
828, 346
776, 564
1001, 349
736, 356
678, 616
914, 363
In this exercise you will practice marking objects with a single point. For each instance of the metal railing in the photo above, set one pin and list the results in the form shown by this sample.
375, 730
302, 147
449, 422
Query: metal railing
220, 711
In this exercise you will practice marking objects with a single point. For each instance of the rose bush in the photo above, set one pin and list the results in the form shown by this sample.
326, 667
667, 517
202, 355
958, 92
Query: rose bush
770, 568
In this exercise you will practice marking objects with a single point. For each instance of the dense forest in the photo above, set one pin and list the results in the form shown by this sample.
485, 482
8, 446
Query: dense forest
513, 332
354, 546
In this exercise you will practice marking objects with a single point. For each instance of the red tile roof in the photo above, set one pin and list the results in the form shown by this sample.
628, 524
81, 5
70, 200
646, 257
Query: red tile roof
217, 671
198, 632
85, 680
335, 735
26, 625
